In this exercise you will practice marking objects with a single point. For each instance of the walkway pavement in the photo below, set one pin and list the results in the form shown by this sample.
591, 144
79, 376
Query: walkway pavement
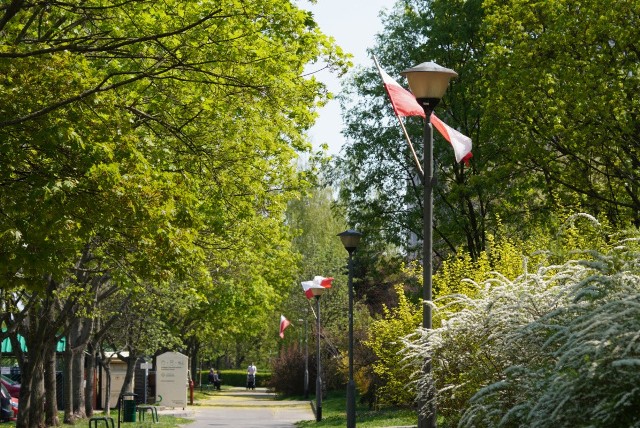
239, 408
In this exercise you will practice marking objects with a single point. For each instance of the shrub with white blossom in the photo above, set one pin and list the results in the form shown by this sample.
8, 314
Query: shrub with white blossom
558, 347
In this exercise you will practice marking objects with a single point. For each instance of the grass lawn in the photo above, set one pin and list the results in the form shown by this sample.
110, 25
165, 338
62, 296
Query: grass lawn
334, 415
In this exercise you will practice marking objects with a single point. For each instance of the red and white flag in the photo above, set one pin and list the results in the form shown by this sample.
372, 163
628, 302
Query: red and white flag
403, 101
284, 323
405, 104
317, 282
461, 143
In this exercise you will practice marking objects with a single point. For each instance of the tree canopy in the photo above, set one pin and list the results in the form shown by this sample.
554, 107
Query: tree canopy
150, 143
545, 91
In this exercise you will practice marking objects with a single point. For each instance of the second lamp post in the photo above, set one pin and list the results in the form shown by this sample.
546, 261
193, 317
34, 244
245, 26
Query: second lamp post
350, 239
317, 292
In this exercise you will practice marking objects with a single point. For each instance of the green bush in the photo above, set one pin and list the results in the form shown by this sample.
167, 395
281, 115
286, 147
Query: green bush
555, 346
384, 340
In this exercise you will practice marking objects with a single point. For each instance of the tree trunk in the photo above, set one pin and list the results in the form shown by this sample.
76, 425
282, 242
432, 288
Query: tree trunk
127, 385
38, 329
79, 334
106, 365
68, 385
239, 355
51, 389
31, 414
90, 384
195, 351
79, 382
35, 373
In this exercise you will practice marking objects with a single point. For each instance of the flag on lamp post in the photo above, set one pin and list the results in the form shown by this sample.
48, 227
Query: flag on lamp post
402, 101
461, 143
317, 282
284, 323
405, 104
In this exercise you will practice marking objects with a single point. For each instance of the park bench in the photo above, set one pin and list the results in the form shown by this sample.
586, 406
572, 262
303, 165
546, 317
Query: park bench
208, 386
93, 422
142, 411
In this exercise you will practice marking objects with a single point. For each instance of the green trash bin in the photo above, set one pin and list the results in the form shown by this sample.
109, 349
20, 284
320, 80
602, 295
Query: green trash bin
128, 408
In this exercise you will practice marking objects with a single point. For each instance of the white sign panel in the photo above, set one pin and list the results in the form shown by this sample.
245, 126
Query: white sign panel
171, 379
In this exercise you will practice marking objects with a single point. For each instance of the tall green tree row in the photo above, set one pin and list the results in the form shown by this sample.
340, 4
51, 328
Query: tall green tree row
147, 142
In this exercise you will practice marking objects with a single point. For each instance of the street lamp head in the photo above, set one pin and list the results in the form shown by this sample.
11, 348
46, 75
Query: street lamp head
318, 291
428, 82
350, 239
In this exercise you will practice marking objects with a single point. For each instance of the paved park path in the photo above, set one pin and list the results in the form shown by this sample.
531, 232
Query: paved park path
239, 408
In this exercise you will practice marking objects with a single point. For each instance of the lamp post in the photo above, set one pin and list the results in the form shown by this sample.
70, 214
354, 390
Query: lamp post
317, 292
306, 356
350, 239
428, 82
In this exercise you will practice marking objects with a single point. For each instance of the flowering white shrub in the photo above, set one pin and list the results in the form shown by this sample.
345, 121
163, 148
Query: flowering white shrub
556, 348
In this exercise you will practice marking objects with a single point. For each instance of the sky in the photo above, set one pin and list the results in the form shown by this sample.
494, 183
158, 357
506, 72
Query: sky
353, 24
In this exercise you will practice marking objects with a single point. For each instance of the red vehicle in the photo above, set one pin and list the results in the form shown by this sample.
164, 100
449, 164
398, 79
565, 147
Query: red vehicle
8, 405
12, 386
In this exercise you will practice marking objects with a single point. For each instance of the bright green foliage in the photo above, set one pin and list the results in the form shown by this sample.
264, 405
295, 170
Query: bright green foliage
512, 256
314, 226
561, 79
457, 276
546, 90
154, 143
384, 340
160, 134
505, 255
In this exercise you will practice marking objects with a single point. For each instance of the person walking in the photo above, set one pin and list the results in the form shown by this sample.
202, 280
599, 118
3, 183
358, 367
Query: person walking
251, 376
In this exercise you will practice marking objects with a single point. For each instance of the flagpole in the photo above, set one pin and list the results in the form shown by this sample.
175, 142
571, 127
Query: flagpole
415, 156
404, 130
318, 365
306, 357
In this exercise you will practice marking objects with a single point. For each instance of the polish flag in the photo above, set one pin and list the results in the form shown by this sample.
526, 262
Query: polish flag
317, 282
403, 101
405, 104
284, 323
461, 143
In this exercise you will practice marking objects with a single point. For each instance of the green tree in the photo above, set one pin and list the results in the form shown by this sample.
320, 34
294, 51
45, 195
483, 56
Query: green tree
561, 79
314, 225
379, 184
